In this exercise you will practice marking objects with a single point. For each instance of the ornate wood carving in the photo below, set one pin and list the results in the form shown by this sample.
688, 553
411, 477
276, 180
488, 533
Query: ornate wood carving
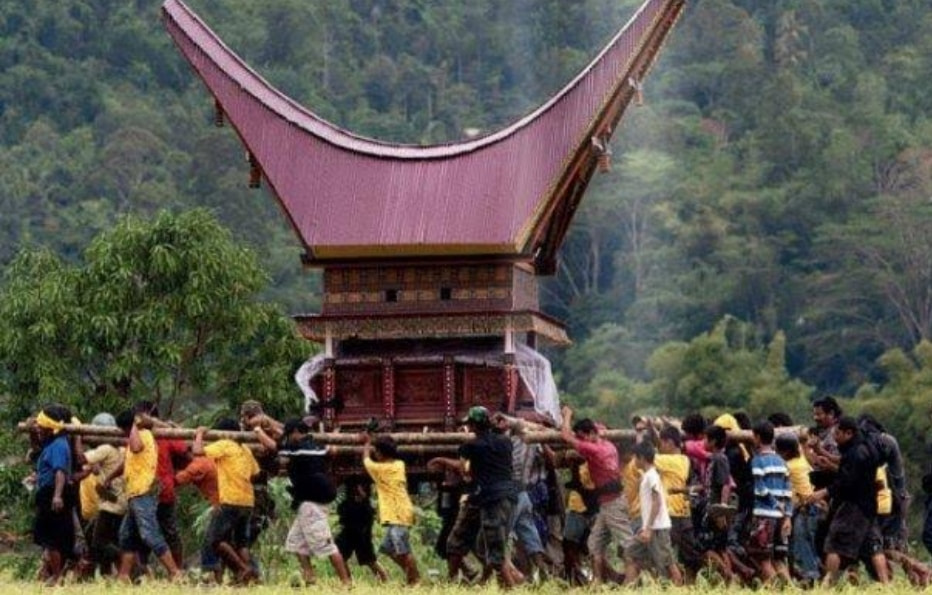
388, 388
449, 393
482, 386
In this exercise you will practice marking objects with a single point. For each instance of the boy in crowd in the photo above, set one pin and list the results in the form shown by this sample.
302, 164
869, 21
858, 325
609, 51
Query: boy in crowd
53, 529
356, 515
140, 524
228, 533
580, 508
202, 474
674, 469
171, 451
489, 458
771, 516
396, 513
717, 486
103, 461
652, 546
805, 558
311, 492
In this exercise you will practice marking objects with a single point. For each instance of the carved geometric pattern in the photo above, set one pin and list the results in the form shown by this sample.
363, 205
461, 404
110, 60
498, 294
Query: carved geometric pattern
418, 386
360, 388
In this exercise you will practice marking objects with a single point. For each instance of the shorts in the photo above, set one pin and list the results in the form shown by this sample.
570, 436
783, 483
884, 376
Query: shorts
576, 527
310, 532
657, 553
893, 531
494, 518
230, 525
210, 559
852, 533
611, 523
139, 529
360, 544
762, 537
54, 530
395, 542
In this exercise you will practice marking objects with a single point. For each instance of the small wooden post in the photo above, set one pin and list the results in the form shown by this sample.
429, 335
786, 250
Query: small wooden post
330, 391
510, 370
449, 393
388, 390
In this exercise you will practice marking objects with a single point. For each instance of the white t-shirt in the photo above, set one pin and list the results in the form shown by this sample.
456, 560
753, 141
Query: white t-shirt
650, 484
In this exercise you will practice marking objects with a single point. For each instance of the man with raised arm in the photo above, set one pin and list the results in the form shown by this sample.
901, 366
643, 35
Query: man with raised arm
611, 522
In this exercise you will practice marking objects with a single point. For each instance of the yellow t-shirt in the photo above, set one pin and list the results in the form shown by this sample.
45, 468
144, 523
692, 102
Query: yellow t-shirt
391, 486
139, 467
235, 469
574, 500
87, 494
884, 495
799, 469
631, 482
674, 475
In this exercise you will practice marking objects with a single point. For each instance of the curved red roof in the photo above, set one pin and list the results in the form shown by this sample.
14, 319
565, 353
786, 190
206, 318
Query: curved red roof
507, 194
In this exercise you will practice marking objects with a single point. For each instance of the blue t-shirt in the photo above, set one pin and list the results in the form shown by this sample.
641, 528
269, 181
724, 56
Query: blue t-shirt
772, 492
55, 456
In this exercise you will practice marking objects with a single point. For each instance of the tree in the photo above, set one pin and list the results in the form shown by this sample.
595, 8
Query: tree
162, 310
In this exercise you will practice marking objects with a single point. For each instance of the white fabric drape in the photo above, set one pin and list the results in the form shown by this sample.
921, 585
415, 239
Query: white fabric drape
303, 376
537, 375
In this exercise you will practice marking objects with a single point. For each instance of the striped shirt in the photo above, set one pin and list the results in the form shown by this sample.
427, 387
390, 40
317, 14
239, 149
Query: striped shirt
772, 492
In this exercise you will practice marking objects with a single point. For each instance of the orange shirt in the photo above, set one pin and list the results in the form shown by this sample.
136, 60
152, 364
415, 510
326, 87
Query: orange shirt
202, 474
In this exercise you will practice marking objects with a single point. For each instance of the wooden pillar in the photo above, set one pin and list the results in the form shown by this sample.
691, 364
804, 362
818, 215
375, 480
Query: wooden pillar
449, 393
510, 370
388, 390
330, 392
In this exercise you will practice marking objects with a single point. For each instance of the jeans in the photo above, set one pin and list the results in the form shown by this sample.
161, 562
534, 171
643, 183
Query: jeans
523, 526
805, 559
141, 522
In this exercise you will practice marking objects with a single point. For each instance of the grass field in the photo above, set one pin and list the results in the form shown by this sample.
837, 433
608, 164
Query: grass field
364, 586
371, 589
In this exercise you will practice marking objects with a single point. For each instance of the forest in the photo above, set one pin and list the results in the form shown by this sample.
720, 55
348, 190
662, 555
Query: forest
764, 235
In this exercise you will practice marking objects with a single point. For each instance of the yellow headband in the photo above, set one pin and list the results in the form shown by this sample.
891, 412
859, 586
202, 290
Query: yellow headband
47, 423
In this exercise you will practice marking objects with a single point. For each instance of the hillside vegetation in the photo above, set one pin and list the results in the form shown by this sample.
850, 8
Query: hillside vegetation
765, 233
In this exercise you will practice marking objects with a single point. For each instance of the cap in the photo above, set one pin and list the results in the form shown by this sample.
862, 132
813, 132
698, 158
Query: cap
477, 415
104, 419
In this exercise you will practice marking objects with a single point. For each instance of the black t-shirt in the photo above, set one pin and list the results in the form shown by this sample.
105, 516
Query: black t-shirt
490, 464
719, 476
356, 516
741, 473
308, 472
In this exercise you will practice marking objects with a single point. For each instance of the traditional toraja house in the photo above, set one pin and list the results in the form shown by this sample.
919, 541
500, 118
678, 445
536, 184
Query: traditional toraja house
430, 254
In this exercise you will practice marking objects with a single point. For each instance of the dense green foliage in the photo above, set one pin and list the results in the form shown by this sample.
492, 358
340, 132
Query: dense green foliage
764, 235
163, 311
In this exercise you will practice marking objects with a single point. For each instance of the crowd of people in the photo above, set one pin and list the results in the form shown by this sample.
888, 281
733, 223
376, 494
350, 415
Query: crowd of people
683, 498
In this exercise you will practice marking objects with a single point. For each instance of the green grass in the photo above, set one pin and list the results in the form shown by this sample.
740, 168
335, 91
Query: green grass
365, 585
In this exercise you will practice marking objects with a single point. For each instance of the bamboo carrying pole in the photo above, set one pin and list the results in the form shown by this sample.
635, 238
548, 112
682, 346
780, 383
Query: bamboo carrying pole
420, 439
414, 450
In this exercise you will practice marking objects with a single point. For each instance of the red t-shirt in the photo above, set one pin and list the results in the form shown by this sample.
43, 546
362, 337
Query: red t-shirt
166, 470
602, 458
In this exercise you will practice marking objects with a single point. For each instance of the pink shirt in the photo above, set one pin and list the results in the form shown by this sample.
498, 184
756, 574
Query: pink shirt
698, 455
602, 458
